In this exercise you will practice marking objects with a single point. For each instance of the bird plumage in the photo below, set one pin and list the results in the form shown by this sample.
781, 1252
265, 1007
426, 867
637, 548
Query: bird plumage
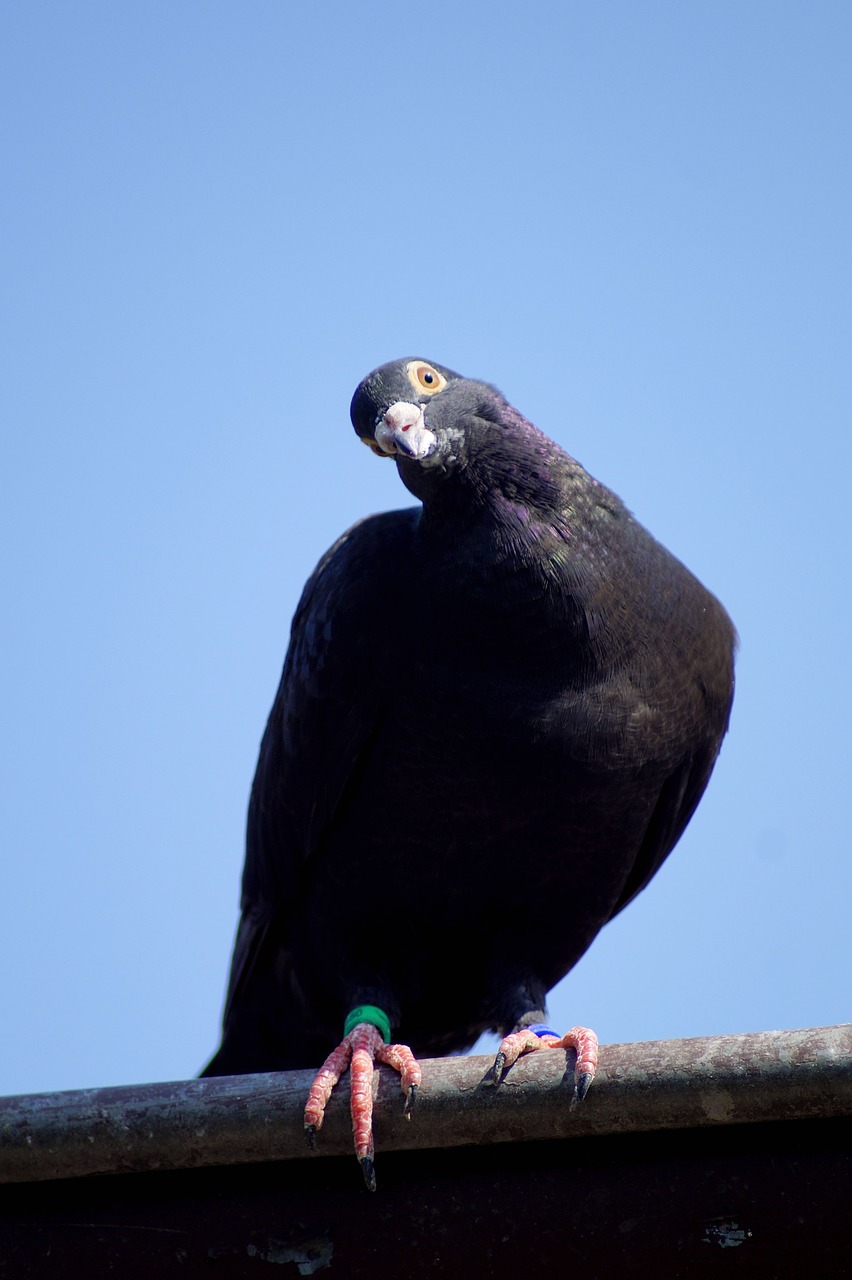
497, 714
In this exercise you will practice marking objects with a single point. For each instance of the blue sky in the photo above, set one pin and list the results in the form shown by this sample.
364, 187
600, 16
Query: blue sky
634, 218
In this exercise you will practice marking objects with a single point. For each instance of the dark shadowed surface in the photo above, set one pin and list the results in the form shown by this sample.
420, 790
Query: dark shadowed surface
760, 1200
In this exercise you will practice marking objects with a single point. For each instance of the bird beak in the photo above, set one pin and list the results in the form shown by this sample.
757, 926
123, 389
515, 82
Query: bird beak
402, 430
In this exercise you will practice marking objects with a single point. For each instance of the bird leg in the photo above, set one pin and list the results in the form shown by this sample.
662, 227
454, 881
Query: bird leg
538, 1036
359, 1050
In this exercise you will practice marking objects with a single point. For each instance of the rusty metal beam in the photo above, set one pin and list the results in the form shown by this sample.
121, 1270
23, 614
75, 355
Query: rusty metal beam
675, 1084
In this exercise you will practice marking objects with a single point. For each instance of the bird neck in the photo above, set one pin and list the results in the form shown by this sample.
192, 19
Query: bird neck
502, 559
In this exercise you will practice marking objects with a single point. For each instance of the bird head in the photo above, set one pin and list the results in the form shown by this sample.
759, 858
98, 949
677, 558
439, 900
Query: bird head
430, 420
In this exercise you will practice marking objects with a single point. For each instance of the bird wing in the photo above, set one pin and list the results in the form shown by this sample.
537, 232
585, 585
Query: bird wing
329, 706
675, 805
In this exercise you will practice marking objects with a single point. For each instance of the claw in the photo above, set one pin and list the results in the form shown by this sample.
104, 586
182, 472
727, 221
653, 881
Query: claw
366, 1163
583, 1041
359, 1050
498, 1070
585, 1044
511, 1048
582, 1087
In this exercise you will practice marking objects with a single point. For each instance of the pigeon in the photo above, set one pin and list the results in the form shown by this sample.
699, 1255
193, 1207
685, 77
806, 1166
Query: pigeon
498, 711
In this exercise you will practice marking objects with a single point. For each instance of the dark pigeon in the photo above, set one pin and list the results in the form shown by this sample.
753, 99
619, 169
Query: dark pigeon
497, 714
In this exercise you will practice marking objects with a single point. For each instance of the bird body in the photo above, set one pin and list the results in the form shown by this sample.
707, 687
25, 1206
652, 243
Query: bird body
496, 716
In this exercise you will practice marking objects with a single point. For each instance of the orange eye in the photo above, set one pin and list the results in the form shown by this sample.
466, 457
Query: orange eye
424, 378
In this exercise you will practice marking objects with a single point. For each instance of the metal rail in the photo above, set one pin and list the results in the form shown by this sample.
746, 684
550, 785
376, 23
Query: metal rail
673, 1084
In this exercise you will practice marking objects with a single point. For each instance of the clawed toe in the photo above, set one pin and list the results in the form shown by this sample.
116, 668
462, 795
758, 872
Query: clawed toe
364, 1045
581, 1040
360, 1049
582, 1083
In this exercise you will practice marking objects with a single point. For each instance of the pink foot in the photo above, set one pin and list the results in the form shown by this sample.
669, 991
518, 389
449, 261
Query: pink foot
583, 1041
359, 1051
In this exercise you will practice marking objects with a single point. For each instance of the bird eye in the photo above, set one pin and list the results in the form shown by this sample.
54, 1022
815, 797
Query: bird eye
424, 378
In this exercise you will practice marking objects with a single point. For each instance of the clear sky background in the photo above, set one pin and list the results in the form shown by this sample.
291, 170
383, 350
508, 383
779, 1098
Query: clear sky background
635, 218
